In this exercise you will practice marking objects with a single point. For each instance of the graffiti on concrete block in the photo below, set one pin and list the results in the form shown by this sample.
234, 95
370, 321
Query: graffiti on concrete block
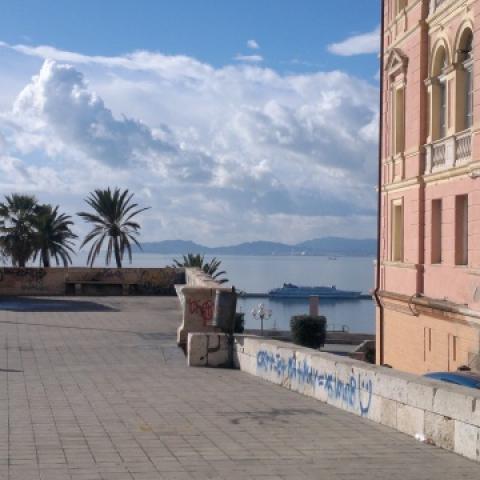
355, 392
203, 308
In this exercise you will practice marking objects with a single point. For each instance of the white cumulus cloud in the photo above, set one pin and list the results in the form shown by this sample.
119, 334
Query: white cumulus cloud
364, 43
249, 58
253, 44
221, 154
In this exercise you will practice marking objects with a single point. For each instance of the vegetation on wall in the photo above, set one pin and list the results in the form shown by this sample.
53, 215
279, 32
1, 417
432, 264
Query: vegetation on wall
197, 260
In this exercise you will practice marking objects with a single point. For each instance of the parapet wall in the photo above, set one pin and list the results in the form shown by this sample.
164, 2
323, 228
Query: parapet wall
436, 412
61, 281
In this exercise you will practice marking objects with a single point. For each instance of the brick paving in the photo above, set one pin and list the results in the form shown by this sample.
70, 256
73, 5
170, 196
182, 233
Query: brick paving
104, 394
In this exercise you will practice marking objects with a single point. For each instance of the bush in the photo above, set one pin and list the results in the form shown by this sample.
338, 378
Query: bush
239, 322
308, 331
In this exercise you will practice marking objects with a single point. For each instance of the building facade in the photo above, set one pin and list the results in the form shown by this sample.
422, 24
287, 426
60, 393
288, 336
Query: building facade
428, 277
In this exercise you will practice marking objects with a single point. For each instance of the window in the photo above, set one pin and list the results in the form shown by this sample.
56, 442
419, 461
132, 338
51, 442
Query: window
439, 110
443, 108
436, 244
461, 230
466, 51
399, 120
397, 230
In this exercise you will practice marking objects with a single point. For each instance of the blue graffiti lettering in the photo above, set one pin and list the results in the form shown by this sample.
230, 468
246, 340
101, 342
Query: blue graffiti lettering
355, 393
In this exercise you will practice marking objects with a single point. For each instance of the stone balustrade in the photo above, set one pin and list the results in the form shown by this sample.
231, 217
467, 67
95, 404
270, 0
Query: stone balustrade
448, 152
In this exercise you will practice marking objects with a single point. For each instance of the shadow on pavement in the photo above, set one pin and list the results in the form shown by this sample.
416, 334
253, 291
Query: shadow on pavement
27, 304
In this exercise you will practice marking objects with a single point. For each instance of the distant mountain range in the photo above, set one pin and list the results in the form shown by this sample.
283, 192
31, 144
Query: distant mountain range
329, 246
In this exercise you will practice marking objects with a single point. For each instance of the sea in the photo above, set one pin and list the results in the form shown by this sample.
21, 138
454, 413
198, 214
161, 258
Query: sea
259, 274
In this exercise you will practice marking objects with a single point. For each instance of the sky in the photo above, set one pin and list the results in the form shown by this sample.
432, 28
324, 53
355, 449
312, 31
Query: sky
234, 120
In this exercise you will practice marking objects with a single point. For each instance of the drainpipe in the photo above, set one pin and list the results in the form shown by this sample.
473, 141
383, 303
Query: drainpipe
379, 199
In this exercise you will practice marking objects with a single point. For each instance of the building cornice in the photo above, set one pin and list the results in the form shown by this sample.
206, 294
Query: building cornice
419, 304
446, 175
402, 185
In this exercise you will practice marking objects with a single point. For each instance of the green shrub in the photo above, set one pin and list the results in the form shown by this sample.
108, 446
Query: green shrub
308, 331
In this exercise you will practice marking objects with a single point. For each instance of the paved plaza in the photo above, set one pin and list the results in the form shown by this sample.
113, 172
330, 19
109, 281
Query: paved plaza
93, 390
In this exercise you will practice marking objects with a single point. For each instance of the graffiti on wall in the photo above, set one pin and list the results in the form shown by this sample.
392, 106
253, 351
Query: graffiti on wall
55, 281
355, 392
26, 278
159, 281
204, 308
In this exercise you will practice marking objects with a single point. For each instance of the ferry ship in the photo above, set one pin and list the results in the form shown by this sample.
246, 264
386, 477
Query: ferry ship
289, 290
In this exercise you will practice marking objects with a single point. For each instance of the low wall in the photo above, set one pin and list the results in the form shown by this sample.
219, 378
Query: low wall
442, 414
61, 281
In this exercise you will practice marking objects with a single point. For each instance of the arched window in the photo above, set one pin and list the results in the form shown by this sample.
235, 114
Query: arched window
465, 80
440, 94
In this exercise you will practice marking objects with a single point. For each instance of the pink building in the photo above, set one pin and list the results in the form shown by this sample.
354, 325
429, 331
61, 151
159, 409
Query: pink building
428, 314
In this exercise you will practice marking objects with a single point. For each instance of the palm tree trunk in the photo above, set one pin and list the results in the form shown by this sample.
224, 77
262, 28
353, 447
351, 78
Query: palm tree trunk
116, 248
45, 258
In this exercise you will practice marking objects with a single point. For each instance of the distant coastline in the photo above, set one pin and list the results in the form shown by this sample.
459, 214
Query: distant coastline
327, 246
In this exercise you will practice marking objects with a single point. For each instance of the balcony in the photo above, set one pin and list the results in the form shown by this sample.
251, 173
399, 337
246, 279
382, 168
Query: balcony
448, 152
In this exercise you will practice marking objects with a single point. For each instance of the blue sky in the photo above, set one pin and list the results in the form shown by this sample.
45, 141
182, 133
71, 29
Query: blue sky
210, 30
223, 115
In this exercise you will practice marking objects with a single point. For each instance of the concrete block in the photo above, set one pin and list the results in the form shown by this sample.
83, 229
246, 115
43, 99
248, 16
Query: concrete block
251, 345
476, 412
388, 412
420, 394
391, 385
196, 349
246, 363
410, 420
440, 430
466, 440
207, 350
455, 402
375, 410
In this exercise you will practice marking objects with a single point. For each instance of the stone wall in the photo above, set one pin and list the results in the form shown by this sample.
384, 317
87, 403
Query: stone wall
436, 412
89, 281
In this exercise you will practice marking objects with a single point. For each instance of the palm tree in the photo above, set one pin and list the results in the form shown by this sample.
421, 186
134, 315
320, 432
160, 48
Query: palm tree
112, 218
198, 260
17, 214
53, 236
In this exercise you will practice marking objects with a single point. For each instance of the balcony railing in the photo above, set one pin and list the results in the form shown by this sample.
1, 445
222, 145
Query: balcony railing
438, 154
448, 152
463, 147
